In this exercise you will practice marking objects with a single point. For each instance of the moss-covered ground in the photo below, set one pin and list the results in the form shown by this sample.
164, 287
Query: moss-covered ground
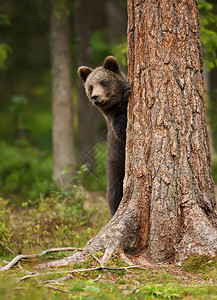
48, 224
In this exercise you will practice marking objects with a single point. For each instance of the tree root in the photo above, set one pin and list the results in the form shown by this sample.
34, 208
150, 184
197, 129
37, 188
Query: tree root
116, 236
23, 256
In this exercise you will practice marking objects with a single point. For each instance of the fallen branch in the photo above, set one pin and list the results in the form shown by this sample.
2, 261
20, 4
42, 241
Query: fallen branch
79, 271
23, 256
30, 275
55, 288
99, 261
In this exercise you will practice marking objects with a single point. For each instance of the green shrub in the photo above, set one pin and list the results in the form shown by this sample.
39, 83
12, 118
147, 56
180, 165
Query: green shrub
5, 233
24, 172
57, 220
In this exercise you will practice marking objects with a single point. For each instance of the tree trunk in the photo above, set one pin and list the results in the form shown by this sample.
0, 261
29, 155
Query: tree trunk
170, 157
116, 21
89, 17
62, 130
167, 210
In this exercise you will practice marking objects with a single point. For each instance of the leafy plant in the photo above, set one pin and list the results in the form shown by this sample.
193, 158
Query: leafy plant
4, 48
102, 48
4, 51
208, 32
159, 291
5, 233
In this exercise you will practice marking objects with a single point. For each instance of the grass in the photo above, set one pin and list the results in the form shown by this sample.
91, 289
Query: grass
48, 224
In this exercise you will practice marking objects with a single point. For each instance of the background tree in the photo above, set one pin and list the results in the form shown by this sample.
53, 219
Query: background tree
88, 117
95, 40
62, 128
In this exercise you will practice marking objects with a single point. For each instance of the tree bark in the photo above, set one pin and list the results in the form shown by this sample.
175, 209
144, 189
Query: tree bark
171, 156
167, 210
62, 127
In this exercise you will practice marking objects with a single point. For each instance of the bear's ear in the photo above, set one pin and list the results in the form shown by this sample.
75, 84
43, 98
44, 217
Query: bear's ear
110, 63
83, 72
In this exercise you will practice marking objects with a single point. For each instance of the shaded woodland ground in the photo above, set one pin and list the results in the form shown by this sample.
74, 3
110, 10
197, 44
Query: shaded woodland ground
50, 226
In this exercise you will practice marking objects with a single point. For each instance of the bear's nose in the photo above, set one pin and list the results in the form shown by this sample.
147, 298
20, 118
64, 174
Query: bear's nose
94, 97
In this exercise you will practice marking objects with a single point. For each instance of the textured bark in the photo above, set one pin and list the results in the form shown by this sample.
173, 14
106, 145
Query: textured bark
62, 128
168, 148
167, 210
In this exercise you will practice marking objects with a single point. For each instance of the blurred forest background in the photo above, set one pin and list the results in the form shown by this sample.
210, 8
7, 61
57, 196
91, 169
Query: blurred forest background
97, 29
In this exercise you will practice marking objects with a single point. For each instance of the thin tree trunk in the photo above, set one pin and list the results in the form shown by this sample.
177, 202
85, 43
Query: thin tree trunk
167, 210
116, 21
62, 128
89, 17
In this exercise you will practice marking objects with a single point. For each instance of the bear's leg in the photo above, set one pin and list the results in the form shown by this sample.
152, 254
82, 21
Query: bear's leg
115, 185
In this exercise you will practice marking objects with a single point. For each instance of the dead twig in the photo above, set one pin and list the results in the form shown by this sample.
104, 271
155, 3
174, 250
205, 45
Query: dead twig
63, 278
22, 256
99, 261
52, 281
55, 288
11, 251
30, 275
24, 270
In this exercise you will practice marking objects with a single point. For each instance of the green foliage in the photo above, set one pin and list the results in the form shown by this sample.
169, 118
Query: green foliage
19, 102
4, 48
120, 53
24, 172
96, 178
102, 48
208, 21
214, 169
61, 4
159, 291
46, 225
72, 197
200, 263
4, 20
5, 234
49, 222
4, 51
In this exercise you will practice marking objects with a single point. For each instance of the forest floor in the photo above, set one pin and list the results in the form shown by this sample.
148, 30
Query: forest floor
51, 223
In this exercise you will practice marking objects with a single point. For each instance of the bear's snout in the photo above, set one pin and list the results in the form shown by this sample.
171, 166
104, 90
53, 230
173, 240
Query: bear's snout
94, 97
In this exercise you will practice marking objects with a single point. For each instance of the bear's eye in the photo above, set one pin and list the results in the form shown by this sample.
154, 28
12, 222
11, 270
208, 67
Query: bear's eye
103, 83
90, 88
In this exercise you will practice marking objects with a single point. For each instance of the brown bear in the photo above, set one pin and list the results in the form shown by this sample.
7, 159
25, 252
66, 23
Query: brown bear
107, 88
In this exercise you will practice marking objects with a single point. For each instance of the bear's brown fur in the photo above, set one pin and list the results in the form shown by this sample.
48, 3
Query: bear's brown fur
107, 88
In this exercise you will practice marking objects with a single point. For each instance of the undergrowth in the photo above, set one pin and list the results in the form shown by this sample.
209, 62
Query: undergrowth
70, 219
47, 225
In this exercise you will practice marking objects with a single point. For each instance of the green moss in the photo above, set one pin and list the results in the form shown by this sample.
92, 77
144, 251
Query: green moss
200, 263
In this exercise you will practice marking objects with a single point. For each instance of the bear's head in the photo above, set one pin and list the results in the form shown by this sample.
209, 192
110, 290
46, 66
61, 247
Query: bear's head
103, 85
